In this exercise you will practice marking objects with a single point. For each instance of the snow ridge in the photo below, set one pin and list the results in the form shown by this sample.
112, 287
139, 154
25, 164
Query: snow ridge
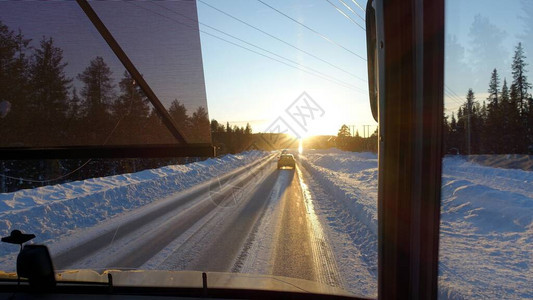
486, 228
52, 211
351, 177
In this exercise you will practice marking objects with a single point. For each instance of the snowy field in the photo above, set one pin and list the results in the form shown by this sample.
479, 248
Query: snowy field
53, 211
486, 223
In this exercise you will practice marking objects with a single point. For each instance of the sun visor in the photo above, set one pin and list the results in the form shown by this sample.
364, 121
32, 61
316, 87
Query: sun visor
64, 87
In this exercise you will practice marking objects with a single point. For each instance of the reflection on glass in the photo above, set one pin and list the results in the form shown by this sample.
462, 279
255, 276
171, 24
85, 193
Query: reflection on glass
486, 212
63, 86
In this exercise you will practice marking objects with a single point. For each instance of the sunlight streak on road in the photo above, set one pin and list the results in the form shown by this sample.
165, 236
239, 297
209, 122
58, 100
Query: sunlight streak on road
323, 254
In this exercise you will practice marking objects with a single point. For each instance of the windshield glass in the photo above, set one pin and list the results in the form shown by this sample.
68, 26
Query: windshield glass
257, 79
277, 76
64, 86
487, 182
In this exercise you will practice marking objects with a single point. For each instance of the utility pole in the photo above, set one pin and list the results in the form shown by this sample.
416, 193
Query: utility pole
366, 131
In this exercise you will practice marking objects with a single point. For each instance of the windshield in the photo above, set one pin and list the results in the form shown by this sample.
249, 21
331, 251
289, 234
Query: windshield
280, 90
256, 78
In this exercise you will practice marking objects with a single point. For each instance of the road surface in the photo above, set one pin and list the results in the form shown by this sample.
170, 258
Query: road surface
256, 220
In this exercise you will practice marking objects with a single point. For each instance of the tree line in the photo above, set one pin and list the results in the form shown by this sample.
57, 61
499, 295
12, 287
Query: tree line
231, 139
40, 105
502, 123
345, 141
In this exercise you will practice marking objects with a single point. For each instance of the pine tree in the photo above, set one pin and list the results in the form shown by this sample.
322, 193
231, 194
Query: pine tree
493, 134
343, 137
469, 111
510, 121
97, 95
505, 125
248, 129
494, 85
520, 84
97, 92
178, 112
228, 128
7, 93
49, 93
520, 96
214, 126
20, 73
200, 132
453, 139
14, 87
131, 111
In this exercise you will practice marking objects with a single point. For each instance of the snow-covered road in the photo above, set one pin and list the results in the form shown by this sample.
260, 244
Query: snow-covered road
135, 239
251, 219
317, 222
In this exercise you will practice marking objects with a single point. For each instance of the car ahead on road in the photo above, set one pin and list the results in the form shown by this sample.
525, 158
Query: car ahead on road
286, 160
284, 151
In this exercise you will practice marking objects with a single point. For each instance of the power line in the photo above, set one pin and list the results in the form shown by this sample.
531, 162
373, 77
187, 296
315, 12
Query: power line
454, 96
258, 47
47, 180
353, 11
331, 78
452, 108
345, 15
319, 76
452, 91
280, 40
359, 6
298, 67
311, 29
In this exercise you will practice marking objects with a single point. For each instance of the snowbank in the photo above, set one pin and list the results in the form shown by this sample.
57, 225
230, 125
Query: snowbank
486, 219
55, 210
350, 177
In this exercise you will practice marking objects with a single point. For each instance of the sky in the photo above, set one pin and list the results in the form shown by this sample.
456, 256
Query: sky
245, 87
277, 91
472, 69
